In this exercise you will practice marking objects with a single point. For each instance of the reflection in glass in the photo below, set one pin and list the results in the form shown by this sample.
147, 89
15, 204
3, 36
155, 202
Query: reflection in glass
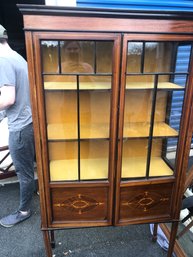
180, 80
77, 57
63, 158
134, 159
49, 51
104, 57
134, 57
158, 56
94, 159
149, 57
183, 58
176, 82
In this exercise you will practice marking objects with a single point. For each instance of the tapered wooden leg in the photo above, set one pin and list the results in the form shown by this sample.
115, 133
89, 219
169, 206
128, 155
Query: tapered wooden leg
52, 238
154, 238
185, 229
47, 243
173, 234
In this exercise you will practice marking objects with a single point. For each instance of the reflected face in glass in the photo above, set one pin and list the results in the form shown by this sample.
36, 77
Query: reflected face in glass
72, 51
73, 58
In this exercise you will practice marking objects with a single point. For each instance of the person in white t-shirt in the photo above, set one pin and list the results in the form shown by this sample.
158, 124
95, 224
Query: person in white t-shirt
15, 101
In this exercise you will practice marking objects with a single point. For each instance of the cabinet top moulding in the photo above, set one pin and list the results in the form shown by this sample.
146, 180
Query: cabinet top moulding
99, 19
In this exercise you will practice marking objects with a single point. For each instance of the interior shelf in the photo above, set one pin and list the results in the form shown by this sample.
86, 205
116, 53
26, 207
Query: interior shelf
92, 169
73, 85
107, 85
150, 85
99, 131
141, 129
67, 131
58, 131
136, 167
89, 169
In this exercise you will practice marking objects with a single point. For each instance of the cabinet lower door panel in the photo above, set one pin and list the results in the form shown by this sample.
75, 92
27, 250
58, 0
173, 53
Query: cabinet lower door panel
145, 203
84, 205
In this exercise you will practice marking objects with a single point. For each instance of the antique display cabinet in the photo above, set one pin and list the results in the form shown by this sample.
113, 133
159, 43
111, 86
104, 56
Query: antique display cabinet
111, 145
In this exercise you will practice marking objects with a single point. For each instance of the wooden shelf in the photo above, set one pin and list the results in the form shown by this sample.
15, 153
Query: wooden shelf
68, 169
66, 131
136, 167
133, 130
92, 169
150, 85
141, 129
73, 85
107, 85
58, 131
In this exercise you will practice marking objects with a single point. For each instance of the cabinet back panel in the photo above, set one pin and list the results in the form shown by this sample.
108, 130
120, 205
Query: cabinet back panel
138, 106
61, 107
68, 150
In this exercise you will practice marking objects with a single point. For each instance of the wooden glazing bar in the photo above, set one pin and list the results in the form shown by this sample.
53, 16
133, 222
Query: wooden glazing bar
151, 126
59, 57
142, 58
78, 121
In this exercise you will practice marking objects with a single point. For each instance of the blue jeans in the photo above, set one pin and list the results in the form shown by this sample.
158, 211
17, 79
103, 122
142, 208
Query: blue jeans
22, 150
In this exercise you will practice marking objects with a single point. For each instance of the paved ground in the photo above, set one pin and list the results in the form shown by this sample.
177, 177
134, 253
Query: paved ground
25, 239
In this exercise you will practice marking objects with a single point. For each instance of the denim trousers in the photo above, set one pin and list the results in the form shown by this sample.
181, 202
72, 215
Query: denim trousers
22, 150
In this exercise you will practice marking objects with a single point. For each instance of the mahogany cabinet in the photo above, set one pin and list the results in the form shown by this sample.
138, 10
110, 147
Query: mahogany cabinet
111, 93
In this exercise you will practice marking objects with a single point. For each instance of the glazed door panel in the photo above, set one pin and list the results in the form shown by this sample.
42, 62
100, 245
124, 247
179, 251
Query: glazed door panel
148, 136
78, 93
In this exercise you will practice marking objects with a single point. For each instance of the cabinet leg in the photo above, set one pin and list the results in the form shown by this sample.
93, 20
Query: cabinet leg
172, 239
185, 230
154, 238
47, 243
52, 239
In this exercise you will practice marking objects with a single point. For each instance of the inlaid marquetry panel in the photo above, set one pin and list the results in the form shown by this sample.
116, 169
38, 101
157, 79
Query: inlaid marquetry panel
79, 204
148, 201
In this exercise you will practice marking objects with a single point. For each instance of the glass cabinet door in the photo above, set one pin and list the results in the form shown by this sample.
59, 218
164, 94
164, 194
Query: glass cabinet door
155, 81
77, 78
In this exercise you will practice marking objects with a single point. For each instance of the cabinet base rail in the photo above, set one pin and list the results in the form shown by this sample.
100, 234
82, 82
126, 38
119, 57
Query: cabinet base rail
174, 246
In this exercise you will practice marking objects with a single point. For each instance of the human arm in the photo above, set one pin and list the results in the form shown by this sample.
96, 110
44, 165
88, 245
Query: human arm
7, 96
2, 115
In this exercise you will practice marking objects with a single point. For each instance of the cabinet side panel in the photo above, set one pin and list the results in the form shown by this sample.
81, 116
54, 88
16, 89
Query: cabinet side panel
36, 125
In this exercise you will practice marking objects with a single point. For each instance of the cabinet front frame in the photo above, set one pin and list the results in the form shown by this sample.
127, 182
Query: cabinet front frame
38, 96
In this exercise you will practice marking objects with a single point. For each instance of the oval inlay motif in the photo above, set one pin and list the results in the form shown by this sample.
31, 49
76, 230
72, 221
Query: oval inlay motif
79, 204
145, 201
